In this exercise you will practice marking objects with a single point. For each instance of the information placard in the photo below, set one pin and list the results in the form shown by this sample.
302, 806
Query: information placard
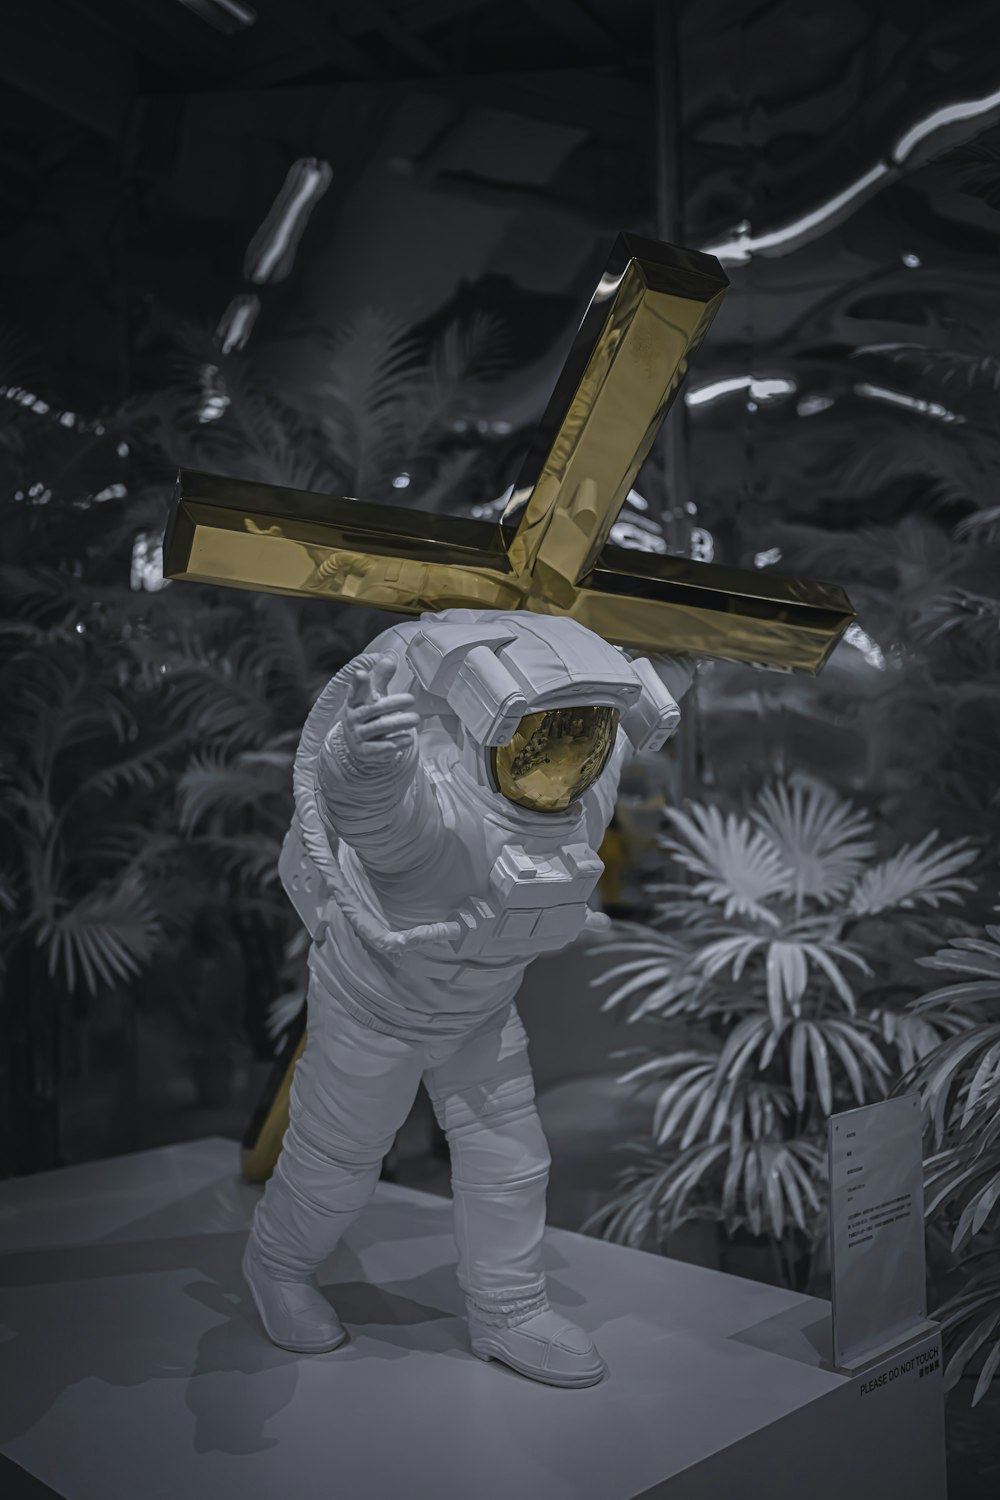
876, 1228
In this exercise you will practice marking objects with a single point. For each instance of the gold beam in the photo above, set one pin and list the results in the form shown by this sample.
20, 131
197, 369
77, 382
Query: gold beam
640, 599
269, 1121
652, 308
648, 316
281, 541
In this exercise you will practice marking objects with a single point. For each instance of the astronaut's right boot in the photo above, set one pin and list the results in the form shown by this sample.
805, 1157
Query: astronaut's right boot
500, 1165
539, 1343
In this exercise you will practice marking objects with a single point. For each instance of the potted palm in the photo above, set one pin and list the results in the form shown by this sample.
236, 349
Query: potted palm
960, 1086
780, 972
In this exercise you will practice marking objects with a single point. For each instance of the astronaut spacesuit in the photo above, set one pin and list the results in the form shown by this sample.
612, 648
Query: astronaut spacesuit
452, 787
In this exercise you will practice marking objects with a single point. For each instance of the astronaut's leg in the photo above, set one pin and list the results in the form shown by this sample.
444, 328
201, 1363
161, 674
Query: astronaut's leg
352, 1090
484, 1099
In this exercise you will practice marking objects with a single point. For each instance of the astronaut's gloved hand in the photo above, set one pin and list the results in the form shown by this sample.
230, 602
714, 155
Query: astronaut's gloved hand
378, 728
597, 921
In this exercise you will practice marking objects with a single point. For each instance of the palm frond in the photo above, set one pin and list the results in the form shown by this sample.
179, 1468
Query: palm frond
281, 1012
215, 786
983, 526
466, 353
260, 436
872, 555
945, 469
976, 615
42, 594
817, 1044
769, 1183
978, 1305
821, 838
979, 957
787, 963
10, 890
697, 1099
766, 1186
916, 874
654, 972
143, 770
688, 1095
247, 860
221, 697
739, 867
105, 938
370, 368
913, 1036
953, 367
945, 1077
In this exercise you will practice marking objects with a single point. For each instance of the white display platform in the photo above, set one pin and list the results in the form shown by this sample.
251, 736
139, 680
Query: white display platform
132, 1366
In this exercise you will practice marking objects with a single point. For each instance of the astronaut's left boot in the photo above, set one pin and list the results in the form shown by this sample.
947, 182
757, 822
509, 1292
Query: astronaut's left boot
534, 1340
309, 1202
293, 1310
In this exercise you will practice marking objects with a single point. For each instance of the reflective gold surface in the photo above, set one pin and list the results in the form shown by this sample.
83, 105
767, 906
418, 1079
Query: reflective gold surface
282, 541
264, 1134
259, 536
760, 617
650, 311
555, 756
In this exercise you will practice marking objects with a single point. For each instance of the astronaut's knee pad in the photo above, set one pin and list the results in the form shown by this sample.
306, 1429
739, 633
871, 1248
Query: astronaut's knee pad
465, 1107
330, 1172
504, 1148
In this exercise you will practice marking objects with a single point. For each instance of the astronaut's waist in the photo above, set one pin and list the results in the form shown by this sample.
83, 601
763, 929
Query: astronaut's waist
445, 1015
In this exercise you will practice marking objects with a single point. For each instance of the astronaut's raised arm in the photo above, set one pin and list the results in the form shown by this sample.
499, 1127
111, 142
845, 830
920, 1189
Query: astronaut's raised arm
373, 791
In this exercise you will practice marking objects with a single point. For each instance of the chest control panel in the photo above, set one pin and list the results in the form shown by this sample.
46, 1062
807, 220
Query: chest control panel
535, 904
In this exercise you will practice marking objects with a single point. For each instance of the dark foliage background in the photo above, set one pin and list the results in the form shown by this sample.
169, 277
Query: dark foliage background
841, 423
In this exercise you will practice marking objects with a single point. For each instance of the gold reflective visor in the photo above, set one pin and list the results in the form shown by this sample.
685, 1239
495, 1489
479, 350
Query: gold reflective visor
555, 756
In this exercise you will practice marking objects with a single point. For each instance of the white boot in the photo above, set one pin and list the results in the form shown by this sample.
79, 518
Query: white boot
542, 1345
295, 1314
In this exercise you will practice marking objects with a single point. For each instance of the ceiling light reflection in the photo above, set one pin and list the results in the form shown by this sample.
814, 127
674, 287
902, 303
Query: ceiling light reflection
271, 252
738, 247
912, 403
948, 114
870, 650
758, 389
236, 324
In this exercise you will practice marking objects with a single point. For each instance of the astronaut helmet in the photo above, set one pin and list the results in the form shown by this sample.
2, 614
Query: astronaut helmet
539, 700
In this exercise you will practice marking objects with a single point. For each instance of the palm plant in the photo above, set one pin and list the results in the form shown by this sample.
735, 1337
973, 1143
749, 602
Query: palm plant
882, 474
84, 769
960, 1086
780, 973
148, 733
367, 409
874, 461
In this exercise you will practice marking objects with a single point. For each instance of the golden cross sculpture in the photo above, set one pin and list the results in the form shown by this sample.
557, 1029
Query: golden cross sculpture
550, 551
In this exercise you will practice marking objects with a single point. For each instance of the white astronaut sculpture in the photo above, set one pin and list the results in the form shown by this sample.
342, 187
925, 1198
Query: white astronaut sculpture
452, 787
